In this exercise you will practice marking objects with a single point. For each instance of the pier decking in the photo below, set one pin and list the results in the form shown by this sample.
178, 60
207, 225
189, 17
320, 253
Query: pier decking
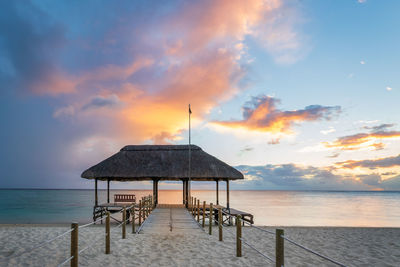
170, 218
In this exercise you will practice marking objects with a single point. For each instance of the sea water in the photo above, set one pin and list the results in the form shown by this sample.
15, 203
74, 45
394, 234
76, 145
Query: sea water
274, 208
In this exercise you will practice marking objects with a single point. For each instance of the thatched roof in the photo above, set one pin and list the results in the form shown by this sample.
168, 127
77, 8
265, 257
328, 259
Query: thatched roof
164, 162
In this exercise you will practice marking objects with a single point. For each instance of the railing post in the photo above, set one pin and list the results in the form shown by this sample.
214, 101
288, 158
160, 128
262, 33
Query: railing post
191, 205
194, 207
108, 233
198, 210
220, 223
204, 214
124, 223
140, 213
210, 220
133, 218
238, 236
145, 208
74, 245
279, 248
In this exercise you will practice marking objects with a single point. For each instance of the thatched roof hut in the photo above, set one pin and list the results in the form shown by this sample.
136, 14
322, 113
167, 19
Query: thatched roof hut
162, 162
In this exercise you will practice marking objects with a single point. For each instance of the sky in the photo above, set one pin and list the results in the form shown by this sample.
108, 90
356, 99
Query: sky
298, 95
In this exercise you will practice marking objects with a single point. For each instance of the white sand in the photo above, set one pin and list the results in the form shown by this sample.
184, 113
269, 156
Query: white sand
351, 246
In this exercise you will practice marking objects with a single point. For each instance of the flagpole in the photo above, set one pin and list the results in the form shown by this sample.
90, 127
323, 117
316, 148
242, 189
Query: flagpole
190, 157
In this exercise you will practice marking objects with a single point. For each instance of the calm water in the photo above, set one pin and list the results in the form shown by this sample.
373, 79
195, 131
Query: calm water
287, 208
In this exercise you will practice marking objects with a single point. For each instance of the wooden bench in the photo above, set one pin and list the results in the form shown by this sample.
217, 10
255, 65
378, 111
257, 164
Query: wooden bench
124, 198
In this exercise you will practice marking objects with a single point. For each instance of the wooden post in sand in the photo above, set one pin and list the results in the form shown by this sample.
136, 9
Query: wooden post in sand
124, 223
147, 207
210, 219
279, 249
140, 213
108, 233
193, 207
204, 214
220, 223
74, 245
238, 236
198, 210
133, 218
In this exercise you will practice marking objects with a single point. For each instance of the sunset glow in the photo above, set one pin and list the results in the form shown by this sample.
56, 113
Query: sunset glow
296, 94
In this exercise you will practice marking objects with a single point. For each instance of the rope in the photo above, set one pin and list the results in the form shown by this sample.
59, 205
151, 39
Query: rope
64, 262
226, 228
267, 231
119, 225
43, 243
85, 225
265, 256
313, 252
92, 245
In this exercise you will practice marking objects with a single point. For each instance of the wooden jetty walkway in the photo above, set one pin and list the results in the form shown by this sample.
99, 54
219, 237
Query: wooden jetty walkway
170, 218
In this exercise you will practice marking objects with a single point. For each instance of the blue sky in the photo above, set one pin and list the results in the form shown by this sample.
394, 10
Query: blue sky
297, 94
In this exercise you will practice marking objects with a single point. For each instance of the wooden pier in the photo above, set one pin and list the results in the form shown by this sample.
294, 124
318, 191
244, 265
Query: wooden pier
167, 218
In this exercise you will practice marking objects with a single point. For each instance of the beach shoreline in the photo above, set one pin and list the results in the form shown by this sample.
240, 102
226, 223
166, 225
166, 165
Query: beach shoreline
353, 246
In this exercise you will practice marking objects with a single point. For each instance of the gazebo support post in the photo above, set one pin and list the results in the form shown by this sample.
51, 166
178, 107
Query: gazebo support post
187, 193
95, 193
108, 190
183, 192
227, 194
217, 181
156, 195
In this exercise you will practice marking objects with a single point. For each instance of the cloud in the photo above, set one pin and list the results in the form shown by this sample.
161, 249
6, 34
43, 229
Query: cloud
274, 141
328, 131
291, 176
296, 177
381, 127
193, 50
364, 140
334, 155
149, 60
247, 149
261, 114
67, 111
387, 162
32, 49
389, 88
361, 1
100, 101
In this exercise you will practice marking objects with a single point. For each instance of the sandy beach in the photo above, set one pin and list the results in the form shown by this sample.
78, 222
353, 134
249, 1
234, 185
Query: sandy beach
351, 246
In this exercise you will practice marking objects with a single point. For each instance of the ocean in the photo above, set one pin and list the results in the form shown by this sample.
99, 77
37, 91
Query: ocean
272, 208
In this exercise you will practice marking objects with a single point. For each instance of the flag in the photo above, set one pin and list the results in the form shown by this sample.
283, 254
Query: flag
190, 111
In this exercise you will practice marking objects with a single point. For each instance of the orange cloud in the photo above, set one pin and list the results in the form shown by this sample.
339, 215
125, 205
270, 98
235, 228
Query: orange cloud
261, 114
189, 57
203, 84
362, 140
387, 162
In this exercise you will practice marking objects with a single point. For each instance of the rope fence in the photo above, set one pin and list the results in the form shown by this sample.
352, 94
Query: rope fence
144, 208
312, 251
279, 233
